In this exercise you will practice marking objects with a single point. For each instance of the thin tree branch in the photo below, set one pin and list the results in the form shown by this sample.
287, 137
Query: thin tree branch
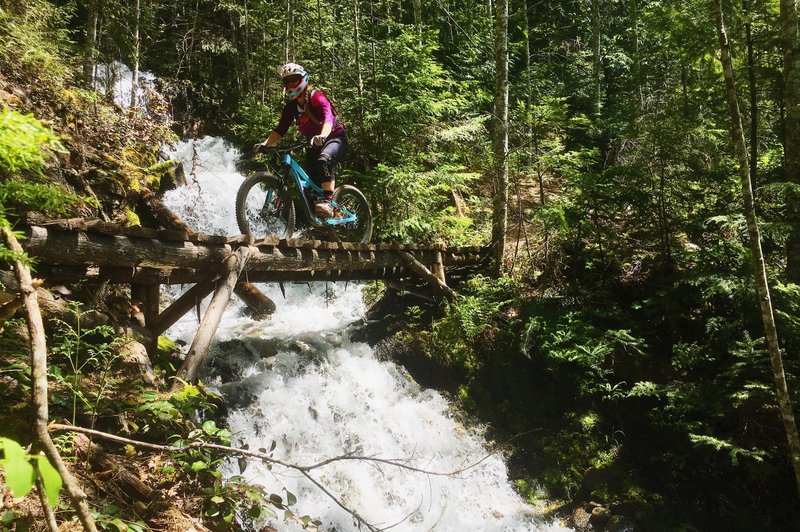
39, 386
49, 514
267, 458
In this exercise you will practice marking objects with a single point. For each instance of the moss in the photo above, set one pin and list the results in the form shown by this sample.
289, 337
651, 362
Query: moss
131, 218
155, 172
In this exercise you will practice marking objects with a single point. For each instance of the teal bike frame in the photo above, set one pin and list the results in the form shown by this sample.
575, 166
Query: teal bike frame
304, 183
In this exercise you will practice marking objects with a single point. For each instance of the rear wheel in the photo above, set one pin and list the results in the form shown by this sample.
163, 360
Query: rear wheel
264, 207
350, 198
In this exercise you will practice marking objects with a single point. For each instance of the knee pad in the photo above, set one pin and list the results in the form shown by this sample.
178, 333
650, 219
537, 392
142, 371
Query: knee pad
325, 171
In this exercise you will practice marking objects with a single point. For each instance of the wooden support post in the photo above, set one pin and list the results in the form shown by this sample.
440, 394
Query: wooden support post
437, 268
208, 325
183, 304
441, 289
152, 297
151, 308
257, 302
138, 296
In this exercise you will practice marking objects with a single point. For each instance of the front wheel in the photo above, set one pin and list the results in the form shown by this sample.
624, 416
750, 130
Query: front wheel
350, 198
264, 207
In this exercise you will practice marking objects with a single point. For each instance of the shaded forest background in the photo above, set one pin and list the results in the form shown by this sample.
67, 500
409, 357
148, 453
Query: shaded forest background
625, 342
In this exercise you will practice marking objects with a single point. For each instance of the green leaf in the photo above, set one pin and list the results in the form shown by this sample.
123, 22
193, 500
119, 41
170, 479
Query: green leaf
19, 472
290, 498
217, 499
199, 466
51, 479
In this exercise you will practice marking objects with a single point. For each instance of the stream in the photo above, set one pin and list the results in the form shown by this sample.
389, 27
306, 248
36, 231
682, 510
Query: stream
296, 381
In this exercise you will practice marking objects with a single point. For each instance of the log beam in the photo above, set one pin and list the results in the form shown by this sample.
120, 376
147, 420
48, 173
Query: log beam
183, 304
257, 302
208, 326
64, 248
441, 289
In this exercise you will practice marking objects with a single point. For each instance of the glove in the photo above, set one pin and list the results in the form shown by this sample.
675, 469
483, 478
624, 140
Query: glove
318, 140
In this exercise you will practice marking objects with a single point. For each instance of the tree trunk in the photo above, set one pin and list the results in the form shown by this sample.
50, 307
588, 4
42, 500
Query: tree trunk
135, 58
39, 387
751, 83
791, 141
91, 42
417, 13
762, 286
357, 45
500, 138
289, 49
320, 47
596, 63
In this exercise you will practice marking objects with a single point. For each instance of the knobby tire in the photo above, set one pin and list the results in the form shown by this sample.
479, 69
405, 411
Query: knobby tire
354, 201
259, 219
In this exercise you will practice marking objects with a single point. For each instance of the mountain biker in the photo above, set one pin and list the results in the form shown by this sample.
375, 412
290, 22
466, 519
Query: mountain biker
316, 118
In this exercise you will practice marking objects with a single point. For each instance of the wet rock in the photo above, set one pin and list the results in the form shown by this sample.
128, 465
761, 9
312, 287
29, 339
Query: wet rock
173, 178
600, 516
580, 519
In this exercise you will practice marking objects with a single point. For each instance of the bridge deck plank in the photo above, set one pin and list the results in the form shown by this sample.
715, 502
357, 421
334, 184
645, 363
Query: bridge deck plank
78, 247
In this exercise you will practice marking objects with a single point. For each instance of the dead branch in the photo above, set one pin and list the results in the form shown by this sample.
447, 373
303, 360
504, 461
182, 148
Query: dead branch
267, 458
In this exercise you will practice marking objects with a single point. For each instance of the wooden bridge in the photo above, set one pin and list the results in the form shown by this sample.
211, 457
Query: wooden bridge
144, 258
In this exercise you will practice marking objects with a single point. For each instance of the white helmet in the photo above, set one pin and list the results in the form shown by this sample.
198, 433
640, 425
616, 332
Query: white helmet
293, 69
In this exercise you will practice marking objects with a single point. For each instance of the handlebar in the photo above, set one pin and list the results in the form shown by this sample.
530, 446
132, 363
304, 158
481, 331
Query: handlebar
278, 150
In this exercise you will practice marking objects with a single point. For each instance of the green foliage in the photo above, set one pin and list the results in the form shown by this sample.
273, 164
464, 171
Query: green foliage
479, 316
414, 93
112, 519
23, 140
37, 35
43, 197
87, 352
161, 415
428, 206
20, 471
734, 452
253, 121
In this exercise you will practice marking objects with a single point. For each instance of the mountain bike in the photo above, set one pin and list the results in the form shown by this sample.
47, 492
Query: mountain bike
265, 207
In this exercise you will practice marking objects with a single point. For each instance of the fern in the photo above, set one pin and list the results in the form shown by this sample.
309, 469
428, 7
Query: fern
22, 139
734, 452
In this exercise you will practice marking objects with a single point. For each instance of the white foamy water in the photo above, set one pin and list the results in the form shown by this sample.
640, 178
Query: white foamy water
117, 78
298, 380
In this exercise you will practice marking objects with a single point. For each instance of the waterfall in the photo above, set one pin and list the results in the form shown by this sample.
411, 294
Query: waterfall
298, 381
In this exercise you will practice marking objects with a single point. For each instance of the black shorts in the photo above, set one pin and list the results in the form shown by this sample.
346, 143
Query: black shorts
328, 154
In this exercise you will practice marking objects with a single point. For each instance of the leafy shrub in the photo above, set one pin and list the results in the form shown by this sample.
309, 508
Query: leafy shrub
22, 139
423, 206
37, 35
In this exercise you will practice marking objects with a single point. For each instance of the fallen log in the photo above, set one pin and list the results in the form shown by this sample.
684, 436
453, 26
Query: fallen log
162, 214
257, 302
120, 480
